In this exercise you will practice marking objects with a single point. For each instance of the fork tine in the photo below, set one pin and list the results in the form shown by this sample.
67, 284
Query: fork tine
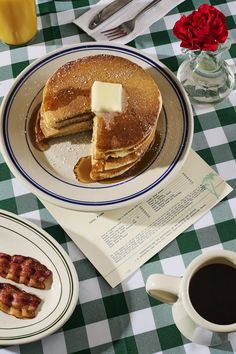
112, 33
111, 30
113, 38
116, 33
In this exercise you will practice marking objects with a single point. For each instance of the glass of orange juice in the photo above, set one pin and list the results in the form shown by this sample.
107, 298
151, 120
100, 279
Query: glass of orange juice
18, 21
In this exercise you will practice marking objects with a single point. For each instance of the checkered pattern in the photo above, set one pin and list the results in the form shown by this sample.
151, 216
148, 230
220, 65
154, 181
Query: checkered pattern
125, 319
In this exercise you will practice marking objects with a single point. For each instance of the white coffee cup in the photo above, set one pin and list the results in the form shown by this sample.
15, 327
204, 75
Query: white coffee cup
176, 291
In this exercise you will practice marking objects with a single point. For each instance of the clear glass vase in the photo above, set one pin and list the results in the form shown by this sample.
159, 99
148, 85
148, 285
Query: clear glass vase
206, 76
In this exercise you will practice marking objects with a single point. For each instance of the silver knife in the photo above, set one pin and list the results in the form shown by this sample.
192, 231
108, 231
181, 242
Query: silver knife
108, 11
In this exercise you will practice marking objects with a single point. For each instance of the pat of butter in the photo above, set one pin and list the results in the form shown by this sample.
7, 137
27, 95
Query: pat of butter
106, 97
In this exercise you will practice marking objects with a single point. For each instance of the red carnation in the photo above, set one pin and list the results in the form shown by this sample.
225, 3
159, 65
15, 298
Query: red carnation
203, 29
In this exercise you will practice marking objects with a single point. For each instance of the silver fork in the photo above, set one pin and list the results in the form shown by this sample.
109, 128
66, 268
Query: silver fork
128, 26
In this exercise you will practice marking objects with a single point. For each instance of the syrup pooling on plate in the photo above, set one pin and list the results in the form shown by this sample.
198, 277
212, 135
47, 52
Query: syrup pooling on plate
33, 130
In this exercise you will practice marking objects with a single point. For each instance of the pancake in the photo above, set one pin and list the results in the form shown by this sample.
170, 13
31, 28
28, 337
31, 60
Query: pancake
43, 132
111, 167
119, 140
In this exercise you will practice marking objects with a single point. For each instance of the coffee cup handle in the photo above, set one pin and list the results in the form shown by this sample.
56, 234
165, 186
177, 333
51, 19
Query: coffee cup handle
164, 288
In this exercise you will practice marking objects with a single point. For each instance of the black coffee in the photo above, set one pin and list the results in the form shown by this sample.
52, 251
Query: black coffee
212, 292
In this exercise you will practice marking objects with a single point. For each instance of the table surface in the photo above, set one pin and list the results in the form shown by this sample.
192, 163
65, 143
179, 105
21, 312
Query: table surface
125, 319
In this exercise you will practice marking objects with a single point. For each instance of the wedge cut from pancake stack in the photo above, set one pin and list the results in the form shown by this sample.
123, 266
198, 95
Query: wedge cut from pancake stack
119, 140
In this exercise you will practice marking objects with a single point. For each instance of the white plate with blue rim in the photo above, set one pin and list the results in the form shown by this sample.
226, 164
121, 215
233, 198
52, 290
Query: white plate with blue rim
49, 174
58, 302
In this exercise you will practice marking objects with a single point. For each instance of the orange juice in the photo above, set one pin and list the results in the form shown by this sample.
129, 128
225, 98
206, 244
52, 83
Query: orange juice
18, 21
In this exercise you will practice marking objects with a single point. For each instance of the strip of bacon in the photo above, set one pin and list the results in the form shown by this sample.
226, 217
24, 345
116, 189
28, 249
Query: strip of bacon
25, 270
18, 303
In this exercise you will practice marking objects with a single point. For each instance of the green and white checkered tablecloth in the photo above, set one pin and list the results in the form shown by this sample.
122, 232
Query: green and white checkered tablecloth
125, 319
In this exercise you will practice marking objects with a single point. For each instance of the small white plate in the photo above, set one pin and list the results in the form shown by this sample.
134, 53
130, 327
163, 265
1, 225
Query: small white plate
50, 175
18, 236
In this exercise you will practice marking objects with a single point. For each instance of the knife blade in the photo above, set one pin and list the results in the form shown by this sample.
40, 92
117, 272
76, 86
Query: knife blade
107, 12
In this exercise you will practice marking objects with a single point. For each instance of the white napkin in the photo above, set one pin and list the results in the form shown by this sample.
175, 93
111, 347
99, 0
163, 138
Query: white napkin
127, 12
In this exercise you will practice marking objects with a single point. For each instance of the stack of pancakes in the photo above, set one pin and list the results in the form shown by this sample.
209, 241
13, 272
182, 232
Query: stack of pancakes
119, 140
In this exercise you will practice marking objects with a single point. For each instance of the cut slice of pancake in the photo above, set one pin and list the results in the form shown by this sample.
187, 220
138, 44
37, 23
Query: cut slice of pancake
119, 140
118, 162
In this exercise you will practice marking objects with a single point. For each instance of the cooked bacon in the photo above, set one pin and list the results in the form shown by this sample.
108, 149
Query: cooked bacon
24, 270
18, 303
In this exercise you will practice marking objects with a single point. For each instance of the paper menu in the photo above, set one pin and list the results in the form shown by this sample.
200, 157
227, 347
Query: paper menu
118, 242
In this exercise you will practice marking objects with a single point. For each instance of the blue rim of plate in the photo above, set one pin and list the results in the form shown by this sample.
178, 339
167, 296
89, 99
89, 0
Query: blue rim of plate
93, 47
62, 317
